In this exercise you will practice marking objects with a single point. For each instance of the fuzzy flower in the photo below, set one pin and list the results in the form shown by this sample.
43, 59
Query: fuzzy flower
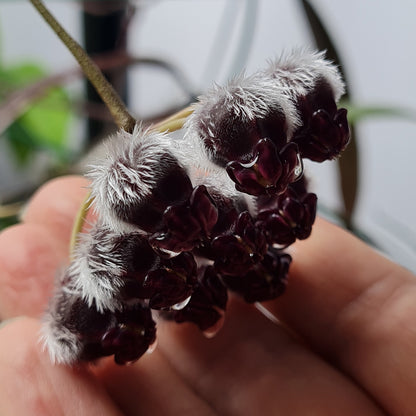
229, 121
267, 171
141, 176
207, 304
239, 249
103, 260
245, 125
290, 216
183, 220
75, 331
314, 85
266, 280
187, 224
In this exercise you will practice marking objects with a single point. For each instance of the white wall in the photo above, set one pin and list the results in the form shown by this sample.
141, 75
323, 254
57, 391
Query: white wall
376, 41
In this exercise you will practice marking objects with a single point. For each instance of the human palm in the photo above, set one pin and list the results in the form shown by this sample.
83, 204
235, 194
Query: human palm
345, 342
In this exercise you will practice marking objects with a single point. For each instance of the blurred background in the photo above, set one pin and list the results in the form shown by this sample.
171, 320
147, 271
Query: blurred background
161, 54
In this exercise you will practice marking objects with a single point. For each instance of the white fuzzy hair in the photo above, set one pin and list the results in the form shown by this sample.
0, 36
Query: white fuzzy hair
247, 98
96, 269
129, 171
297, 72
63, 346
276, 88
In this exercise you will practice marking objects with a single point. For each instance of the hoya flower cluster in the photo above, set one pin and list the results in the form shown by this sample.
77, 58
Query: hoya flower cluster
185, 218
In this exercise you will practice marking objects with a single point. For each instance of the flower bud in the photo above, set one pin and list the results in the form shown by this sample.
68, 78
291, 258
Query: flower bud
172, 282
74, 330
265, 281
290, 217
104, 260
314, 85
229, 121
142, 176
187, 224
239, 249
207, 303
267, 172
131, 336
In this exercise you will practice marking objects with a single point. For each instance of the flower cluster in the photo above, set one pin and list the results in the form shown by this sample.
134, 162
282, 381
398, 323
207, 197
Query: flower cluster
183, 220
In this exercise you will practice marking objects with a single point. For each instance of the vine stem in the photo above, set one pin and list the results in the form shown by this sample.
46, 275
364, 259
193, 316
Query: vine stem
118, 110
172, 123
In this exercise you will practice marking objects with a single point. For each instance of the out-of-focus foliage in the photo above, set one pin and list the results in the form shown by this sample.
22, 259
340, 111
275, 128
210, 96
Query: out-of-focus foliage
44, 125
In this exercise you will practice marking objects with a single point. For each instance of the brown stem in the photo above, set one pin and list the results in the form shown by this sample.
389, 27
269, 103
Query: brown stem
108, 94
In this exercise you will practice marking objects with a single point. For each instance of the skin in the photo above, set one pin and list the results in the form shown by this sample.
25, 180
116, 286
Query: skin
345, 343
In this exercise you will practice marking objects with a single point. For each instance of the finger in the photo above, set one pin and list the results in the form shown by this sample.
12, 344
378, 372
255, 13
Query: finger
358, 309
151, 387
31, 385
55, 206
32, 252
253, 366
29, 259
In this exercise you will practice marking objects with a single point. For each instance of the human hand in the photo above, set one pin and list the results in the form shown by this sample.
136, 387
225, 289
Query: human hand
345, 344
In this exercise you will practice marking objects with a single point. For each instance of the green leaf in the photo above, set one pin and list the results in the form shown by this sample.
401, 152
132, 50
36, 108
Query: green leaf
48, 120
357, 113
44, 125
21, 142
17, 76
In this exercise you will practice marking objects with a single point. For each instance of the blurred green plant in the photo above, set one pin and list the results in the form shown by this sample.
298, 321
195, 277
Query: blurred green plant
358, 113
42, 127
44, 124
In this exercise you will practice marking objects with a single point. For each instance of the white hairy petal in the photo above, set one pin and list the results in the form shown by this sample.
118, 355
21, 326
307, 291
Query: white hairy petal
130, 171
62, 344
245, 98
298, 71
97, 268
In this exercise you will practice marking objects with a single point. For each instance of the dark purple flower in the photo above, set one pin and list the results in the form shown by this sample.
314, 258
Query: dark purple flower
291, 218
105, 260
142, 174
168, 281
126, 334
229, 121
238, 250
154, 225
186, 224
325, 137
131, 336
207, 304
171, 187
324, 132
172, 282
267, 171
265, 281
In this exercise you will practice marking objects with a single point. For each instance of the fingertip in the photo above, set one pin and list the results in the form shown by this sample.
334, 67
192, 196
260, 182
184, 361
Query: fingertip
10, 333
29, 258
56, 204
32, 385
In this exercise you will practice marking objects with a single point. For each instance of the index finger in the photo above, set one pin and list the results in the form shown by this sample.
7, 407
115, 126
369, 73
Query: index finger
33, 251
358, 309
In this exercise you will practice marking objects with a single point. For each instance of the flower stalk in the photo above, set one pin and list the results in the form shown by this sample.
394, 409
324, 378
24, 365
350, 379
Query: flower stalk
118, 110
